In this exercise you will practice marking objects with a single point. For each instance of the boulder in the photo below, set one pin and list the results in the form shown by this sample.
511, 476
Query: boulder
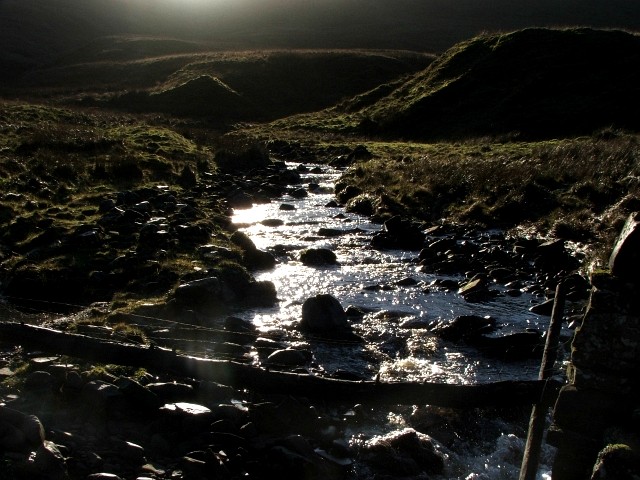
617, 461
545, 308
323, 315
171, 391
47, 462
203, 292
187, 178
399, 233
361, 204
289, 357
515, 346
464, 327
254, 259
347, 192
403, 453
313, 257
625, 257
19, 432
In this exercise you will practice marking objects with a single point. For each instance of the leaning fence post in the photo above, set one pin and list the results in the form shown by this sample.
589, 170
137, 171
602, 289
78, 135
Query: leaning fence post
532, 448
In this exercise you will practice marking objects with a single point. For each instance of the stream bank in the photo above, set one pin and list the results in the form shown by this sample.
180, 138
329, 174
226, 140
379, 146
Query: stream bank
402, 340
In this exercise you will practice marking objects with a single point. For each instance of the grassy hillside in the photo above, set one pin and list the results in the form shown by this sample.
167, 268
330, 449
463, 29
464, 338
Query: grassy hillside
150, 74
533, 83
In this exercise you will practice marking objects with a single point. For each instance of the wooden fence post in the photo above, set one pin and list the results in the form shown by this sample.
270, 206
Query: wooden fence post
531, 456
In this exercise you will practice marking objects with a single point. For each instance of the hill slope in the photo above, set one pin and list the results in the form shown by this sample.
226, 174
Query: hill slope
33, 32
533, 83
155, 74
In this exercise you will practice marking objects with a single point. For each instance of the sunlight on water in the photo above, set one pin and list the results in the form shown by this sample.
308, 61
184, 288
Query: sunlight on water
397, 313
370, 280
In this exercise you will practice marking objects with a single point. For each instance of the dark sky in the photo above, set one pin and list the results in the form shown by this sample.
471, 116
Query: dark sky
42, 29
411, 24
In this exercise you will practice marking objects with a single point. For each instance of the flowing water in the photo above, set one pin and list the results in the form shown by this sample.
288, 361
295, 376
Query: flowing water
372, 280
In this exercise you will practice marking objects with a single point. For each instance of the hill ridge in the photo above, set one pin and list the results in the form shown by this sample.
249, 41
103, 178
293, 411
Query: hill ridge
530, 83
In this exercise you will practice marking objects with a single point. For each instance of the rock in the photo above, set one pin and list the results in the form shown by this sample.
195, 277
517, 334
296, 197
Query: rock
287, 207
103, 476
236, 324
272, 222
260, 294
240, 199
184, 420
362, 204
347, 193
360, 152
294, 457
545, 308
187, 178
515, 346
99, 395
137, 395
40, 381
402, 233
314, 257
48, 463
243, 241
254, 258
299, 193
203, 292
403, 453
289, 357
476, 290
284, 417
624, 261
552, 257
323, 315
259, 260
129, 451
215, 392
616, 462
171, 391
19, 432
334, 232
464, 327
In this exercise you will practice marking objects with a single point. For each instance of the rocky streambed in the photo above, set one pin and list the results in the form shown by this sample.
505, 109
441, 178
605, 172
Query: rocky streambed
414, 302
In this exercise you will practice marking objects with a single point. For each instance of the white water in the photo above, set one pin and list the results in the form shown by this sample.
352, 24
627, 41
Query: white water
392, 352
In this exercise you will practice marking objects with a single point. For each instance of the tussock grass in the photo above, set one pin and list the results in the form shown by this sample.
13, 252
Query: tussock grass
580, 189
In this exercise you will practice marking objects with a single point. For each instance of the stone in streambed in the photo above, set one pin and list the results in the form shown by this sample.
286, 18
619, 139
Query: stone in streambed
254, 258
464, 327
289, 357
403, 453
317, 257
323, 315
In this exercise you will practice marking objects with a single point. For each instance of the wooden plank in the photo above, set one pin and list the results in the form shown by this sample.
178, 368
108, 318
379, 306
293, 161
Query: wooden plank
531, 456
239, 375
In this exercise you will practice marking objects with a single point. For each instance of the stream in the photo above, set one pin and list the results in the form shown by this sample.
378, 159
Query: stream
400, 301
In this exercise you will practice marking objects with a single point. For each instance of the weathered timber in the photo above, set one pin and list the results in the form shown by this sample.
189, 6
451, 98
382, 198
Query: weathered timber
533, 446
238, 375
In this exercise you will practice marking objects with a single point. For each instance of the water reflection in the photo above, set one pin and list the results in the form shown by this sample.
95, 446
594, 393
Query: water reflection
374, 281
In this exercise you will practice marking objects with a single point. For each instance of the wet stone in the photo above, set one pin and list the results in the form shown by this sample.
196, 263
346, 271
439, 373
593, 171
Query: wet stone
318, 257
